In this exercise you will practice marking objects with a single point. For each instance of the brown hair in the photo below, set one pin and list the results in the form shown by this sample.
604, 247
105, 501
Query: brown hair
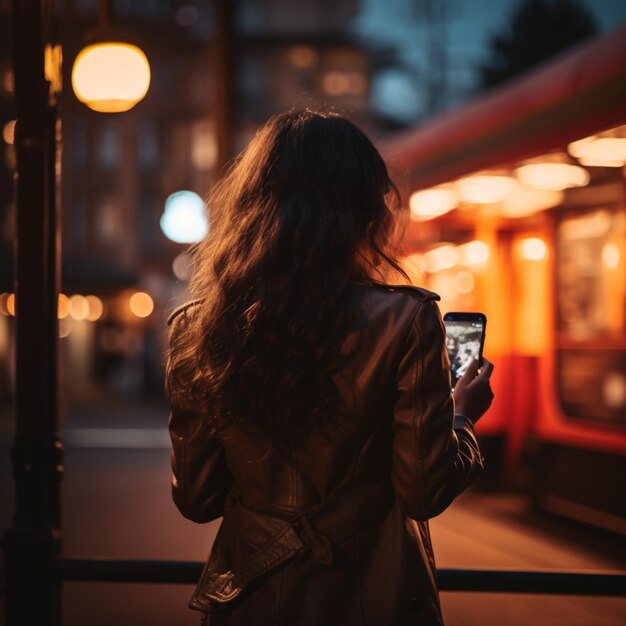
297, 220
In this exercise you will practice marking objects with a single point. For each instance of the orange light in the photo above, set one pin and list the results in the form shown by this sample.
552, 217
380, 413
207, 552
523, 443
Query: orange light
474, 253
3, 304
10, 304
532, 249
111, 77
429, 203
141, 304
96, 308
8, 132
63, 309
600, 151
79, 307
302, 56
441, 258
552, 176
610, 255
464, 282
485, 189
65, 327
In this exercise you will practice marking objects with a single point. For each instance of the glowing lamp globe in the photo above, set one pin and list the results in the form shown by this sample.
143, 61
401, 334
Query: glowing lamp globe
184, 219
111, 77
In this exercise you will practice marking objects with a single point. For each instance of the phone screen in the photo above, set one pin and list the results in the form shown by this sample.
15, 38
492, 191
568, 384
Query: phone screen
464, 341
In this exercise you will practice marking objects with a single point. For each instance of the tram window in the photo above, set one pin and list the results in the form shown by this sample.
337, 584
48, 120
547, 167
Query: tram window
591, 274
591, 314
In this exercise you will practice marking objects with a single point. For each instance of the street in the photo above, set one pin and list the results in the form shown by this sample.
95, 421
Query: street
116, 504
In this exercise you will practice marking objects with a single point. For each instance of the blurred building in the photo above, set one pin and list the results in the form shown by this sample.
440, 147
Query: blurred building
118, 169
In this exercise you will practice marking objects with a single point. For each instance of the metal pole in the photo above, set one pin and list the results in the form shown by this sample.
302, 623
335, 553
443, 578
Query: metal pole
32, 546
223, 74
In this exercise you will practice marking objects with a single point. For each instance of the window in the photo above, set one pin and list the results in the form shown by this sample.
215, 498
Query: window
591, 314
148, 154
108, 148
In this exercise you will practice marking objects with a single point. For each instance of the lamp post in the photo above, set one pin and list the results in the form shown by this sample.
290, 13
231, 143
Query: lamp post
32, 545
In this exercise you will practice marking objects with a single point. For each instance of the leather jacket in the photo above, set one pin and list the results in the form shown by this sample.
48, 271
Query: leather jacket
339, 534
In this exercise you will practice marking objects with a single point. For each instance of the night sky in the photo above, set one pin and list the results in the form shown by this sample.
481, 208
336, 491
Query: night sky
400, 94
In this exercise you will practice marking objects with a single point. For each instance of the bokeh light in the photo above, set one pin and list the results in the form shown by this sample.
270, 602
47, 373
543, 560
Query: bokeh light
485, 189
441, 258
79, 307
4, 310
429, 203
63, 308
552, 176
302, 56
184, 219
8, 132
141, 304
464, 282
96, 308
610, 255
532, 249
474, 253
65, 327
182, 266
597, 151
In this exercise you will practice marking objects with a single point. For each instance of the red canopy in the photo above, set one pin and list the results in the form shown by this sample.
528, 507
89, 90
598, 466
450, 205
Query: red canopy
579, 93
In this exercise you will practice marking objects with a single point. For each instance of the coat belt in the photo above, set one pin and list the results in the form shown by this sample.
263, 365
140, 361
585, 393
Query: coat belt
313, 531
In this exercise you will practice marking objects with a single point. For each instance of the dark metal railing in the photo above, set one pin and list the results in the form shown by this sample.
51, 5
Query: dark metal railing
492, 581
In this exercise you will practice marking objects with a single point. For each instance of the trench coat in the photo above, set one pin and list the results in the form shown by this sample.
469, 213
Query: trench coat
339, 534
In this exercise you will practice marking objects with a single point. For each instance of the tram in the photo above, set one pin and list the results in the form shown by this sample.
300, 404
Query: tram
518, 210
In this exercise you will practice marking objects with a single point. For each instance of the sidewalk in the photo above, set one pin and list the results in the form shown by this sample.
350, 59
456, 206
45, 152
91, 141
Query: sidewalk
112, 425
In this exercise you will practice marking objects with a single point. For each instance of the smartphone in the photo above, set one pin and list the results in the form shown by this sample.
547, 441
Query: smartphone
465, 337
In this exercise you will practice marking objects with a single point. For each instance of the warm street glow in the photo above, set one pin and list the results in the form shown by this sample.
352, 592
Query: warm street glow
79, 307
141, 304
552, 176
474, 253
441, 258
302, 56
65, 327
610, 255
528, 200
485, 189
96, 308
3, 304
111, 77
203, 146
605, 150
63, 308
8, 132
532, 249
579, 148
182, 267
337, 83
464, 282
429, 203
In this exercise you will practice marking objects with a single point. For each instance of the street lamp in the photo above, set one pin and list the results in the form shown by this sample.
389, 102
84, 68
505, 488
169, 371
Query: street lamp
110, 75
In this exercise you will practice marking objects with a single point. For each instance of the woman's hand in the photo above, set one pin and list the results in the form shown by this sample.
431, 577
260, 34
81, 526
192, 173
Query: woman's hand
473, 394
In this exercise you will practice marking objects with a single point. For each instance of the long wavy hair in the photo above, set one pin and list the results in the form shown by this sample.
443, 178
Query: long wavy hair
307, 210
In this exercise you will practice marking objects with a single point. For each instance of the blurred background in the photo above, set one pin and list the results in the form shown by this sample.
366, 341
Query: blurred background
505, 126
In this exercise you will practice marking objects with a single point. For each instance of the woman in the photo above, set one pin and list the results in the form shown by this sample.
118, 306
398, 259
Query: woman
311, 403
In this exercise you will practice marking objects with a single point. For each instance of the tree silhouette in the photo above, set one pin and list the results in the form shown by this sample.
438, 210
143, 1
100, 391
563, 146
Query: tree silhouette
538, 30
